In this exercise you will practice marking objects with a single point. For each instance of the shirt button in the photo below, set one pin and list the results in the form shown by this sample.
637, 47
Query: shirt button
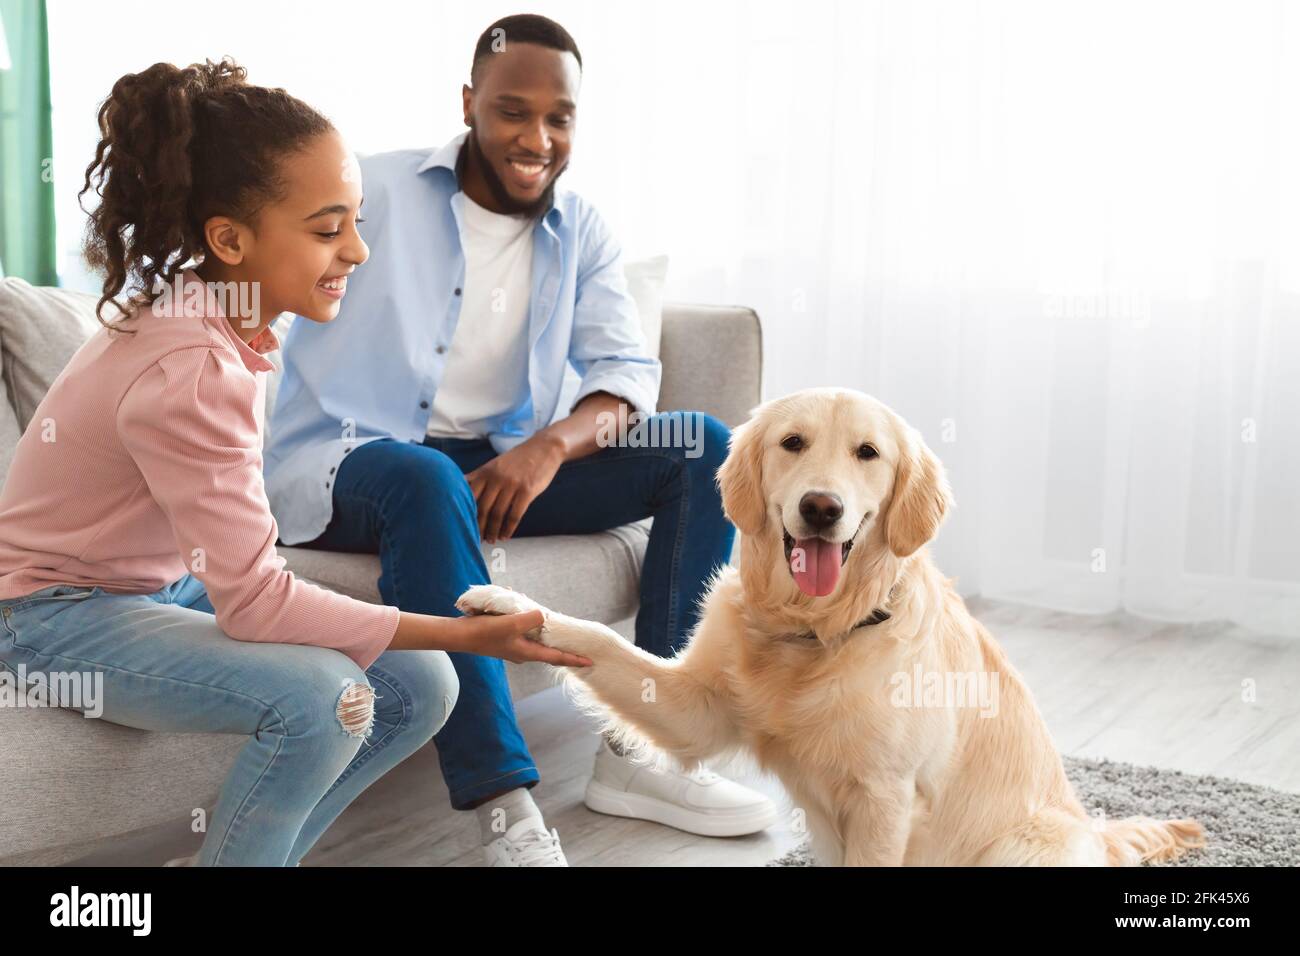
424, 404
327, 484
440, 349
457, 292
331, 471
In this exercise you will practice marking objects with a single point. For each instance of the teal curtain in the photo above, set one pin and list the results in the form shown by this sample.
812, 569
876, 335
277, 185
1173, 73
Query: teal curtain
27, 247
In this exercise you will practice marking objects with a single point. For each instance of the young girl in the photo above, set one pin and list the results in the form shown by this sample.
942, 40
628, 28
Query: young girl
136, 541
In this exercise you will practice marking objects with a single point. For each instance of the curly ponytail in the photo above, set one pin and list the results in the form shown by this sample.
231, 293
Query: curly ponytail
178, 146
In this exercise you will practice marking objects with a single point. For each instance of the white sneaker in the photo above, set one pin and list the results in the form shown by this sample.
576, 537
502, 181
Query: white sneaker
527, 843
699, 802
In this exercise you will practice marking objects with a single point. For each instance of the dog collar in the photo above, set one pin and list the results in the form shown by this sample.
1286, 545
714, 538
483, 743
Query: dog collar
875, 617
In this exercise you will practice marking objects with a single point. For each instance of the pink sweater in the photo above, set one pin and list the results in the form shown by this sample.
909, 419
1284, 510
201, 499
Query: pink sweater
143, 462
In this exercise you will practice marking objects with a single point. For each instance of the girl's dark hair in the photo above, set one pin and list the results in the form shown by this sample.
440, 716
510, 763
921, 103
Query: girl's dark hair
178, 146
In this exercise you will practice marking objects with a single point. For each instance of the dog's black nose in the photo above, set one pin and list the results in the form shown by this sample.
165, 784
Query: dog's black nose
819, 510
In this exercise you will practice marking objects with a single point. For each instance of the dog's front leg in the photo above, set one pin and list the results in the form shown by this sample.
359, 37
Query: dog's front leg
878, 821
667, 702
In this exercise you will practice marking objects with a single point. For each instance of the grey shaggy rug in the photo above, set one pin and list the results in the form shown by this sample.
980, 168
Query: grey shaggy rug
1245, 825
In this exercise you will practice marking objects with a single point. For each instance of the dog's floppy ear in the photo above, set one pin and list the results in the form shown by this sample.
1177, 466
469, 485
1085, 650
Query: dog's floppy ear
741, 479
921, 496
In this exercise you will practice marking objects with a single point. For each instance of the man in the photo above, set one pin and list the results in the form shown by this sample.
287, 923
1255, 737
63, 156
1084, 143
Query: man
416, 424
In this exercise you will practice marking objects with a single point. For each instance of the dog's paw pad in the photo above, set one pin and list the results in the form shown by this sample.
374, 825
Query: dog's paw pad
494, 599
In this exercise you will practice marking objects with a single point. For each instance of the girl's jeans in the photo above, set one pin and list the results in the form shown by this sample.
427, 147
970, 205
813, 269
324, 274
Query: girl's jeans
165, 665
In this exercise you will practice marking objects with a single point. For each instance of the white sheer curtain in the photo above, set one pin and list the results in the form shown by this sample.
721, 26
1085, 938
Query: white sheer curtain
1062, 239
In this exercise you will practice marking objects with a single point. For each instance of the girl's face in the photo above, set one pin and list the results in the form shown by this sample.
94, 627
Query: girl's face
302, 248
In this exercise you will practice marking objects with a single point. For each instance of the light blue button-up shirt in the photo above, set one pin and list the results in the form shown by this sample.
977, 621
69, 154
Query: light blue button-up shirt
373, 371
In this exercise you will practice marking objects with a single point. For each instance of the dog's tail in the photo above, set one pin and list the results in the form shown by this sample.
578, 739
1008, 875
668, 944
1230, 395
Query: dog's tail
1135, 840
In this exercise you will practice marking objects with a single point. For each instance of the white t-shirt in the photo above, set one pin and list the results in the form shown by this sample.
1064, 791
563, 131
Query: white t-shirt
486, 374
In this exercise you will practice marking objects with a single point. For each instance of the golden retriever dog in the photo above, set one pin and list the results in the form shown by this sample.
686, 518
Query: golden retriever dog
840, 658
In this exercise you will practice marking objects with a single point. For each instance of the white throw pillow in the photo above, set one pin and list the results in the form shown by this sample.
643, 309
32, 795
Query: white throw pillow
645, 282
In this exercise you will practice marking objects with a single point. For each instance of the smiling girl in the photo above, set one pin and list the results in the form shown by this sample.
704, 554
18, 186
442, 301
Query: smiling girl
136, 542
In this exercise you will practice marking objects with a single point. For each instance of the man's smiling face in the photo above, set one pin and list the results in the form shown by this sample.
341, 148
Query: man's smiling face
522, 112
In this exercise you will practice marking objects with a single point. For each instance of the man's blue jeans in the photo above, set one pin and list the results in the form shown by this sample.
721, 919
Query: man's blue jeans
410, 503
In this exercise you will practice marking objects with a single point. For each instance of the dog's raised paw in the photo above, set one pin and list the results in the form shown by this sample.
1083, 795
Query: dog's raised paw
494, 599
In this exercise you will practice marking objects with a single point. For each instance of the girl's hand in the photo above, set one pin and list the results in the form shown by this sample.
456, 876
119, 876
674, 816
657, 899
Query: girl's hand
505, 636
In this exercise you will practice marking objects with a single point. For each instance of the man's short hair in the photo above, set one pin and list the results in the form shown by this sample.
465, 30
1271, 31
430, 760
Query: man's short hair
522, 28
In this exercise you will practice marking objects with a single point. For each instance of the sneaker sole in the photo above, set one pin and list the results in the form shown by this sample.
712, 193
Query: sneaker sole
620, 803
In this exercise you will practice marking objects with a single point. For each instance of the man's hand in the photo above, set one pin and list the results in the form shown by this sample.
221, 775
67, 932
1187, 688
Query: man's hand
508, 484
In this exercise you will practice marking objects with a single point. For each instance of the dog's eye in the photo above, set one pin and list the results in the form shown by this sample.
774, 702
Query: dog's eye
866, 452
792, 442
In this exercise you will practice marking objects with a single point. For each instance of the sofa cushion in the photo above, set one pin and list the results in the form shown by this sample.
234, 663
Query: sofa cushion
592, 575
69, 781
41, 329
9, 430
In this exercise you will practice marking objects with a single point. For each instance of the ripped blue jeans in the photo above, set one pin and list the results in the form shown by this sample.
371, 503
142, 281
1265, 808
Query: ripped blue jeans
320, 730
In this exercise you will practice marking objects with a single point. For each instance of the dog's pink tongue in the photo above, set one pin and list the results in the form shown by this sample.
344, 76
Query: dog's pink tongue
815, 565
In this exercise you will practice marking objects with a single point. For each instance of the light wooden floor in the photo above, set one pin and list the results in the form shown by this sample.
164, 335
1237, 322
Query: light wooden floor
1114, 686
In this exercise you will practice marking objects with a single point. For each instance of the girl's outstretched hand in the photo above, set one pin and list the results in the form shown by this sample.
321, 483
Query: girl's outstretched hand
506, 636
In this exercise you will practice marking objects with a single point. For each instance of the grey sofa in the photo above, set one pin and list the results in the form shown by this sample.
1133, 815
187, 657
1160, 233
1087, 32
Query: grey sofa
70, 786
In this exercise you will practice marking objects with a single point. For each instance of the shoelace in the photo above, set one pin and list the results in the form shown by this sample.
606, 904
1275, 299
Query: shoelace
537, 847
